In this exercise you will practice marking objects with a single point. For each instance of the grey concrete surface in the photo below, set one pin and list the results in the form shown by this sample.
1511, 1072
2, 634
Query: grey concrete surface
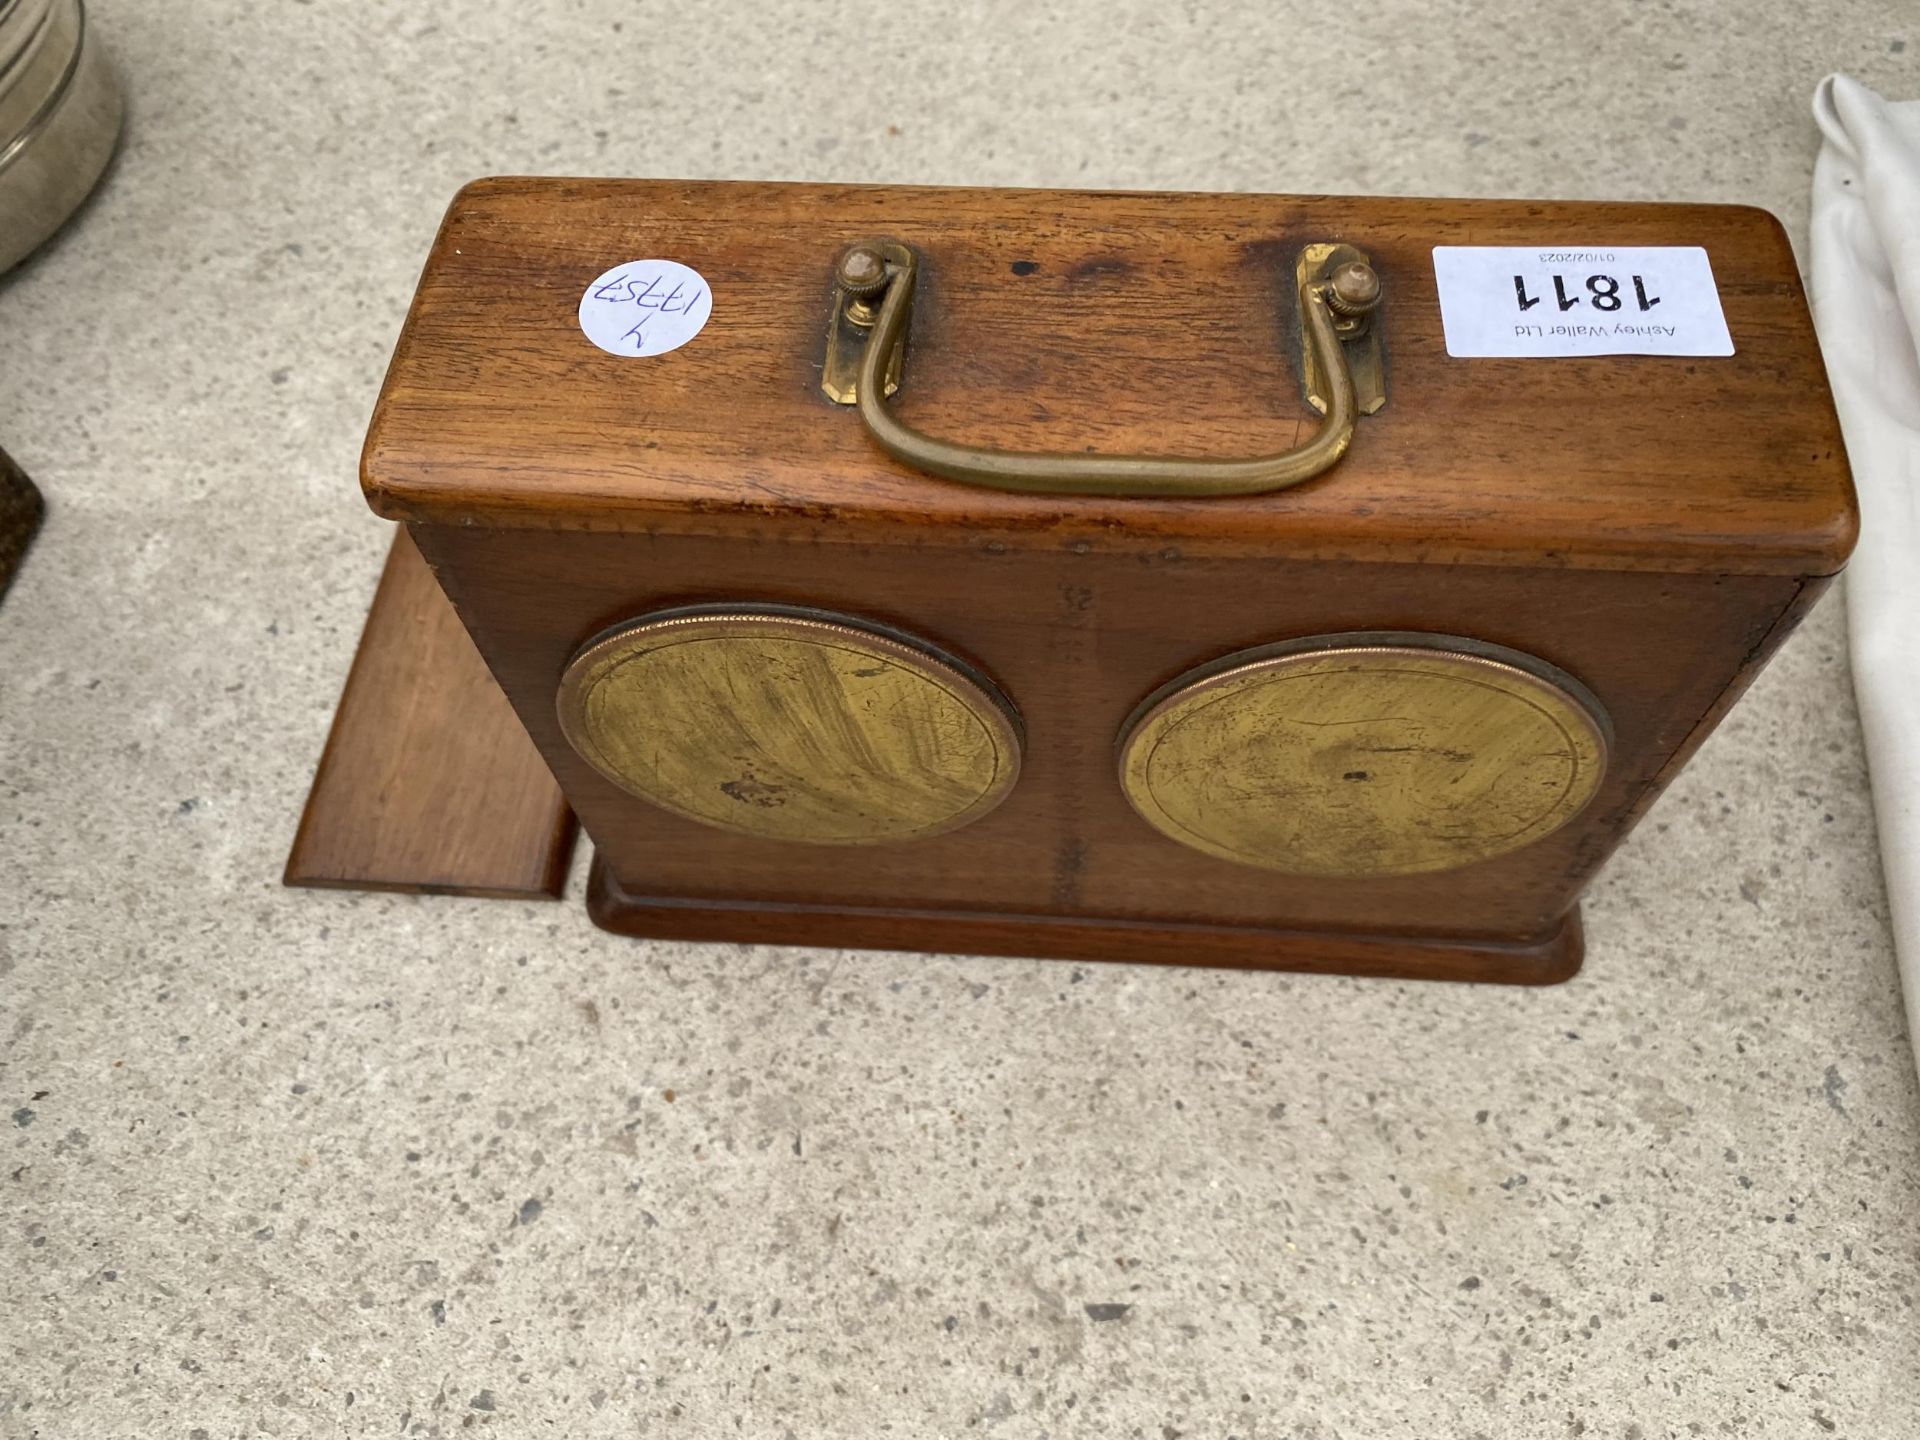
299, 1164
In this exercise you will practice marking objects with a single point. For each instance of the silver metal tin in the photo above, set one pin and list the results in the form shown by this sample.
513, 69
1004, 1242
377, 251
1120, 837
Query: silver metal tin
59, 119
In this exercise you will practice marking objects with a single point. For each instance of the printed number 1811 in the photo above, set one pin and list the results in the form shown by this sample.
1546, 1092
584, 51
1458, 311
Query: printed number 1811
1603, 293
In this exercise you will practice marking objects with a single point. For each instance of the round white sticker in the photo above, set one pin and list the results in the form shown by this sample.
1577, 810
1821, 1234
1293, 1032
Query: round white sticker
645, 307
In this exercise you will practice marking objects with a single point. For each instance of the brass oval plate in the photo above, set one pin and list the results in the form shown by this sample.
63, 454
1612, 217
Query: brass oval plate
790, 725
1365, 755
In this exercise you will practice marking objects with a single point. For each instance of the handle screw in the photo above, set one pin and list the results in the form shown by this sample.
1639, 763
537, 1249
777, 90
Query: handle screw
862, 271
1354, 289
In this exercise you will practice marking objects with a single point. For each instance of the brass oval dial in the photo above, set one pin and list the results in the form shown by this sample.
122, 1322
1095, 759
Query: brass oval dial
1365, 755
791, 725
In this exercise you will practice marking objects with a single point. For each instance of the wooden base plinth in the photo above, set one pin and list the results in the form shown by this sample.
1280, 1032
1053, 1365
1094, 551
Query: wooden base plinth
1547, 961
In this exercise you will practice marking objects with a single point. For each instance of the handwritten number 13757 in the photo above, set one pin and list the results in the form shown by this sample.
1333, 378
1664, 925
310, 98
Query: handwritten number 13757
1603, 292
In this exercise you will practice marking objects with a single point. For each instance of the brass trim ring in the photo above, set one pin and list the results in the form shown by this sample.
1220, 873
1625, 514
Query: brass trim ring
1365, 755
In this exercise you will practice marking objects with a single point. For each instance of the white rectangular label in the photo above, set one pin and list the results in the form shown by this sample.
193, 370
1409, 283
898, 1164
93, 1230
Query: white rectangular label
1515, 300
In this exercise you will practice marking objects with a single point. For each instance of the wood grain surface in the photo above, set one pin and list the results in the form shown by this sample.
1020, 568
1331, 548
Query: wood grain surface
1076, 644
1064, 320
428, 782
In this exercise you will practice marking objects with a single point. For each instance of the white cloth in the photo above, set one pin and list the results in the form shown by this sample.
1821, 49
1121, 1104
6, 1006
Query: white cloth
1866, 306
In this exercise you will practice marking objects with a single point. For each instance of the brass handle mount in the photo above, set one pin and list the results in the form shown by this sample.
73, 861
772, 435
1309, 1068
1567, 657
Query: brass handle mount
1339, 293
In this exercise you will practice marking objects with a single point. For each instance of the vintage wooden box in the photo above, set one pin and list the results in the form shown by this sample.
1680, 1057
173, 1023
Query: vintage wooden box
1388, 719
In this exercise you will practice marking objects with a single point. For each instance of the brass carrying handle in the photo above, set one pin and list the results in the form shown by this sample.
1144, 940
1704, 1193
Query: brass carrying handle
1338, 291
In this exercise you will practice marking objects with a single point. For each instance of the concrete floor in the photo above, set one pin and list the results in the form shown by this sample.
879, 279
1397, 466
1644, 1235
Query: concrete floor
287, 1163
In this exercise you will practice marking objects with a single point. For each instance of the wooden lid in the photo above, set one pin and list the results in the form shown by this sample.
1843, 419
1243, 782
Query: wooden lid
1120, 322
